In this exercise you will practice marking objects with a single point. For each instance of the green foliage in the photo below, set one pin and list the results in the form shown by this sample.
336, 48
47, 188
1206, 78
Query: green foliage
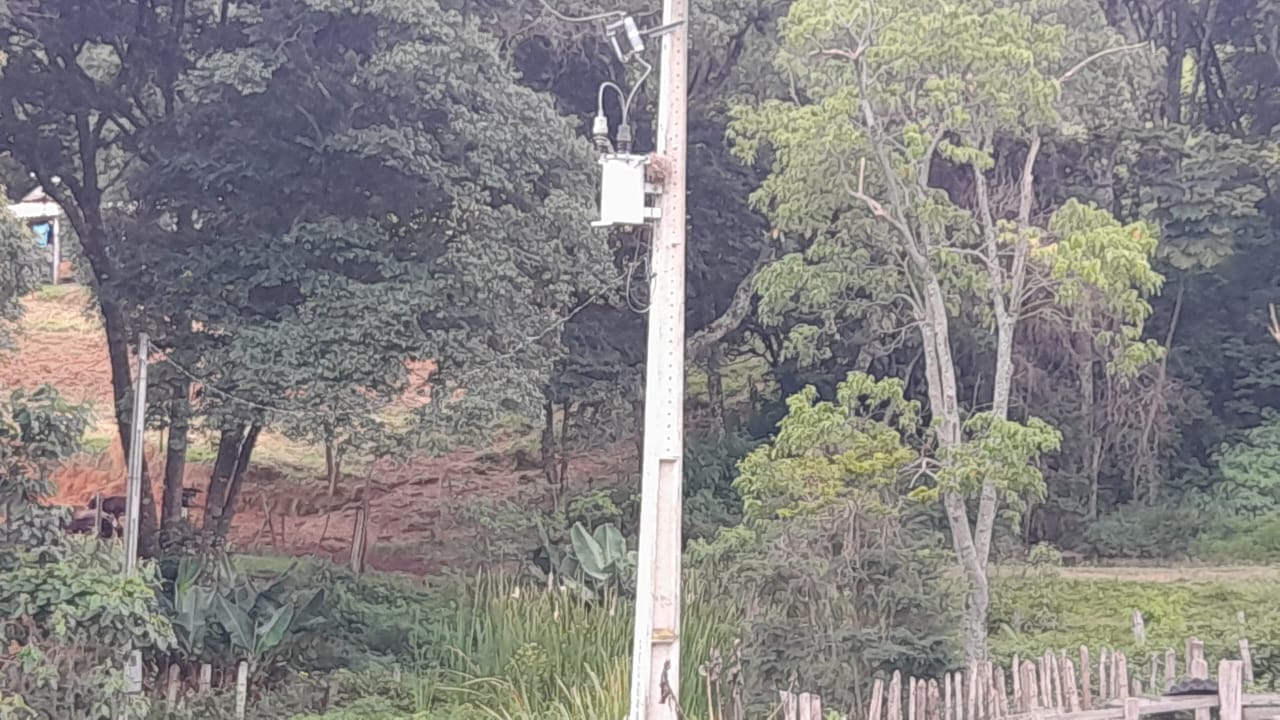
1001, 452
603, 554
710, 468
1251, 471
21, 268
826, 451
1239, 540
223, 616
1144, 532
71, 622
1105, 267
518, 651
842, 584
1038, 612
37, 431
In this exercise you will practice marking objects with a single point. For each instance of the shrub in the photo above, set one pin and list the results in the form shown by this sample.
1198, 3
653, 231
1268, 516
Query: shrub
1250, 468
1241, 540
710, 467
1144, 532
840, 583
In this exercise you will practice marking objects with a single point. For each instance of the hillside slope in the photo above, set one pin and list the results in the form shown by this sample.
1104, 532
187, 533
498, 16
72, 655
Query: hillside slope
414, 503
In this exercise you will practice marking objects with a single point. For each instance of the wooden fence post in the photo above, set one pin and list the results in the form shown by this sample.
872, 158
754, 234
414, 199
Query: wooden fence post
242, 688
809, 707
911, 699
174, 682
1030, 687
1170, 668
877, 699
947, 703
1104, 687
1246, 656
1086, 681
358, 537
1132, 708
787, 701
971, 702
934, 701
1230, 690
895, 696
1198, 668
1016, 669
97, 516
206, 677
1002, 696
1139, 629
989, 671
1045, 685
1122, 675
1069, 675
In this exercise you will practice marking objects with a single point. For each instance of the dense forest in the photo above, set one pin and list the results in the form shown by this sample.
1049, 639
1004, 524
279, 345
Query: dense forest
971, 283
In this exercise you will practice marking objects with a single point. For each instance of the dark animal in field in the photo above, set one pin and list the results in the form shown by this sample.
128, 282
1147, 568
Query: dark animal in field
189, 496
1193, 686
112, 505
81, 523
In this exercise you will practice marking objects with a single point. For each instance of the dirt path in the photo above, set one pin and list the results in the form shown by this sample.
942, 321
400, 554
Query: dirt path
1150, 573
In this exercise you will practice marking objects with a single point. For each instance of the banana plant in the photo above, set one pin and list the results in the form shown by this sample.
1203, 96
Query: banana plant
192, 608
565, 569
258, 625
602, 555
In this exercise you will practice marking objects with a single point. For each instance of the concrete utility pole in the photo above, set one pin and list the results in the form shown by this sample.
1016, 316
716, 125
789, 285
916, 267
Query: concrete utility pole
133, 506
133, 490
656, 652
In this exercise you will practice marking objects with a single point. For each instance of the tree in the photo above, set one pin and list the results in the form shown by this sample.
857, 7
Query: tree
889, 99
20, 271
838, 567
303, 217
37, 431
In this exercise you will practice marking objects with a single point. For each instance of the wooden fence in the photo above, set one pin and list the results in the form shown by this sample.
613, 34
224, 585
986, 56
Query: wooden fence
1108, 686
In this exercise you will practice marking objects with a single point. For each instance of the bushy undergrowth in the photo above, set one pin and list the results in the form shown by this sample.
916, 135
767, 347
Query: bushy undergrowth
1241, 541
1039, 611
491, 647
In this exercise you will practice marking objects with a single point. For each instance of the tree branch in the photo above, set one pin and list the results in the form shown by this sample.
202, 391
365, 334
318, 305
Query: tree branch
850, 55
1096, 56
697, 345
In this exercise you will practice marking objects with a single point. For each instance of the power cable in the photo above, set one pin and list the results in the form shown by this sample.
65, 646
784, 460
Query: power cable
608, 15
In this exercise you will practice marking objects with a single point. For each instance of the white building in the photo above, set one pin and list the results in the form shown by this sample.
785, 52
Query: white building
44, 217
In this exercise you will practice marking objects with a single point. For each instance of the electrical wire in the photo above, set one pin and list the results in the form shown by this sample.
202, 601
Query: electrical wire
631, 96
623, 98
584, 19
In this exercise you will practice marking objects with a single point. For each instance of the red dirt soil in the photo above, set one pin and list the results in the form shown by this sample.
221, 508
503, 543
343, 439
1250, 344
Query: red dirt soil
414, 524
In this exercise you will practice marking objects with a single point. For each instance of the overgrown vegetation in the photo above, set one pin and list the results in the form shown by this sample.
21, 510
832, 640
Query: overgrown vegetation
974, 287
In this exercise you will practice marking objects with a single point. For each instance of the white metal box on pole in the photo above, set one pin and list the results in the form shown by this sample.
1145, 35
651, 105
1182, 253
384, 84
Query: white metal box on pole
621, 190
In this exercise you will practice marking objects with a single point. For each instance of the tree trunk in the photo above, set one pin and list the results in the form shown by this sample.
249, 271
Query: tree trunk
989, 501
548, 440
237, 481
93, 243
332, 465
1083, 342
235, 445
945, 407
113, 323
175, 461
223, 466
715, 389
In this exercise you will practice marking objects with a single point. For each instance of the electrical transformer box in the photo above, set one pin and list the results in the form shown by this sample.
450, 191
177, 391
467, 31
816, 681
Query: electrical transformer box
621, 190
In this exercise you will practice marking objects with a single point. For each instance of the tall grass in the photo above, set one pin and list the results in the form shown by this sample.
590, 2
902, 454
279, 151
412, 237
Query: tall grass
513, 652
